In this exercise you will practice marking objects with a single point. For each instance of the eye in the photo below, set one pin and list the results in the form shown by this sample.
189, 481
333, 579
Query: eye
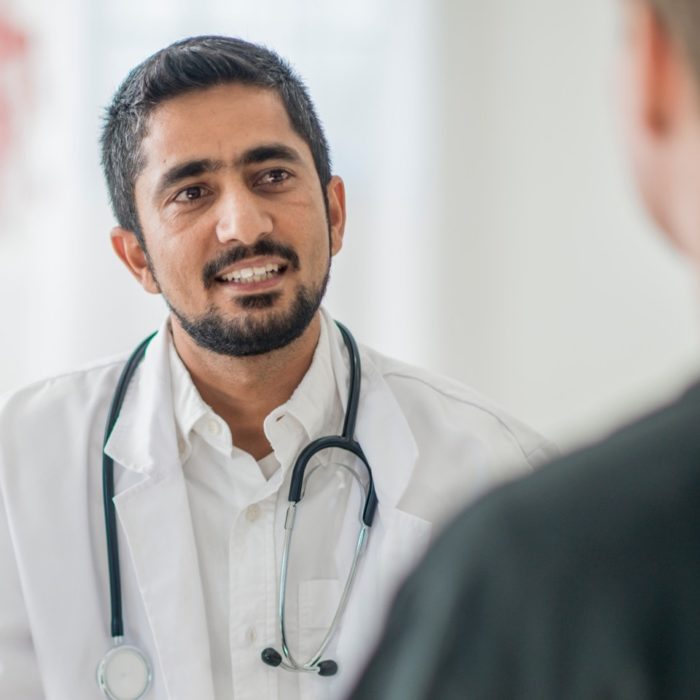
191, 194
274, 177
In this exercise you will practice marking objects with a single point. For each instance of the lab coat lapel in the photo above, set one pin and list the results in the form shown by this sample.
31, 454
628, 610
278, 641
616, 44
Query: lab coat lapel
381, 427
396, 536
155, 535
391, 450
385, 437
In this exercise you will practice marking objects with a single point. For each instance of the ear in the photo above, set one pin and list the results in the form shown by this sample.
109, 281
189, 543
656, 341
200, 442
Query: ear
335, 191
129, 250
661, 71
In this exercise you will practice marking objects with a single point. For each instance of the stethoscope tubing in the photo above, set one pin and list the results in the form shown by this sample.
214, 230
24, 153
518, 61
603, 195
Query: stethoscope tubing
115, 587
345, 441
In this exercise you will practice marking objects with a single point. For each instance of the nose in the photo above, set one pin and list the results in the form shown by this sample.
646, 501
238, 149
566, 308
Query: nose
242, 217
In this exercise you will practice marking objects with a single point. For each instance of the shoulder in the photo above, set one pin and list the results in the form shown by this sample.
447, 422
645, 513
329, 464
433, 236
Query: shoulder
634, 492
598, 550
433, 402
54, 397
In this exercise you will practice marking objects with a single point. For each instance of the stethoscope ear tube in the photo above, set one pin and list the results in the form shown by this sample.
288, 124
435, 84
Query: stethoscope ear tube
115, 592
325, 443
346, 442
370, 504
355, 379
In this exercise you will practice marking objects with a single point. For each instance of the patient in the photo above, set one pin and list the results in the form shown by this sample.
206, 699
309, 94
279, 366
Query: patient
583, 580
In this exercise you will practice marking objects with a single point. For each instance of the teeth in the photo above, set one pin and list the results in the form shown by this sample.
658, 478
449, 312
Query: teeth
252, 274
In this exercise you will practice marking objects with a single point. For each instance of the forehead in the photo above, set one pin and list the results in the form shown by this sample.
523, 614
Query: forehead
220, 122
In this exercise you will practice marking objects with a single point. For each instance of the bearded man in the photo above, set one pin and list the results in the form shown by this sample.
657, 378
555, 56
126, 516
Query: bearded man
221, 184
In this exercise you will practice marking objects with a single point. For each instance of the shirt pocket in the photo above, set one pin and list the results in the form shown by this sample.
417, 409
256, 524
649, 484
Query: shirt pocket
318, 601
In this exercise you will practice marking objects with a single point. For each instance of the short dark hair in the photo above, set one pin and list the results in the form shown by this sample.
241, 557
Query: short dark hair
682, 18
192, 64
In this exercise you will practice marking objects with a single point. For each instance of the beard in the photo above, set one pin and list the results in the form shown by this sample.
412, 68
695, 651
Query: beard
252, 336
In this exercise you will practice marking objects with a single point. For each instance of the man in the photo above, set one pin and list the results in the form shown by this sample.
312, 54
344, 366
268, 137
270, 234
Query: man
220, 179
583, 580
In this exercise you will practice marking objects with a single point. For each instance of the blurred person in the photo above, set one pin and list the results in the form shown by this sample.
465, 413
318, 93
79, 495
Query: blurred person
582, 580
184, 457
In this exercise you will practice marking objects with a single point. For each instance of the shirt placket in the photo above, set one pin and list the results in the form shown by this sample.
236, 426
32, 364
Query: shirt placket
252, 599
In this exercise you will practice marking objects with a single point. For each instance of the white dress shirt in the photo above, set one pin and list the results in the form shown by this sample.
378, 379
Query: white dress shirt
233, 502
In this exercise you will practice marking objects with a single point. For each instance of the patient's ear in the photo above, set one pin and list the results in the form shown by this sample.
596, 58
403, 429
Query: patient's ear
663, 70
130, 251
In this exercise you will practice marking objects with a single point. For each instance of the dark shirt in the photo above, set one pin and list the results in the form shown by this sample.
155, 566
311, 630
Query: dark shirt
580, 581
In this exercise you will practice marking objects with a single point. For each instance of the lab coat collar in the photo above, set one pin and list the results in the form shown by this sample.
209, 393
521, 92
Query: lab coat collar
146, 425
382, 429
156, 528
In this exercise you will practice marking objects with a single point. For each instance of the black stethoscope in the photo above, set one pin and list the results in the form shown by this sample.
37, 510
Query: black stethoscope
125, 672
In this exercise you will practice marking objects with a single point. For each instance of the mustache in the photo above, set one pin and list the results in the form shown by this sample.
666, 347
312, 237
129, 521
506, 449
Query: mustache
231, 256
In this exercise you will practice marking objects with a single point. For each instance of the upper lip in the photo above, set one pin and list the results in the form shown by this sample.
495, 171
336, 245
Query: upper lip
259, 261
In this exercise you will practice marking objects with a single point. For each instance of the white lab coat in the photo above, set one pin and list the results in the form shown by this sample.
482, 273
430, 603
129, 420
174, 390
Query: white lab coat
432, 443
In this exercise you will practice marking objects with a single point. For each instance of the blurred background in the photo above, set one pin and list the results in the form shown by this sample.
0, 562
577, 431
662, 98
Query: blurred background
492, 235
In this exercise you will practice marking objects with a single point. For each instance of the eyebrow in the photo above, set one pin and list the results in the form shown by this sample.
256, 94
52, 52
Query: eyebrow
253, 156
182, 171
269, 151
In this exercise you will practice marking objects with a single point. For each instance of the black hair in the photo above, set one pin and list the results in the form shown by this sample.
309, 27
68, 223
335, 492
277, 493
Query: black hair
196, 63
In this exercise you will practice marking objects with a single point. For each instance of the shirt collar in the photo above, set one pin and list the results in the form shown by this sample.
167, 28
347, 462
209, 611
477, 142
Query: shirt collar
192, 414
314, 409
315, 404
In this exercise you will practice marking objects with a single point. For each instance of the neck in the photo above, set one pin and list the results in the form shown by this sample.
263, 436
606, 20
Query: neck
244, 390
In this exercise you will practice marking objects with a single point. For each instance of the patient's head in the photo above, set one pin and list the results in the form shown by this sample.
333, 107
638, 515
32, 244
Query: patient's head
661, 102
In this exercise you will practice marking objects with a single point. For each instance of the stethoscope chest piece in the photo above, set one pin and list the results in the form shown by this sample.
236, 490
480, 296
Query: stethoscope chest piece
124, 673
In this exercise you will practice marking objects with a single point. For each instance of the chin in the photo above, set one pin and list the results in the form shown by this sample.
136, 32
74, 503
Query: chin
258, 301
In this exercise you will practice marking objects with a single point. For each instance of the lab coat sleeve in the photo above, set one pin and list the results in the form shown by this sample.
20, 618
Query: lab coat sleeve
19, 670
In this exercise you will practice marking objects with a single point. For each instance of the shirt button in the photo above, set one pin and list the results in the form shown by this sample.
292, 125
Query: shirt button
213, 427
252, 513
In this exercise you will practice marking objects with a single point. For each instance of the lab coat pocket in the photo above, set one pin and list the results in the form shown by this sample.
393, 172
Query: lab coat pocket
396, 541
405, 539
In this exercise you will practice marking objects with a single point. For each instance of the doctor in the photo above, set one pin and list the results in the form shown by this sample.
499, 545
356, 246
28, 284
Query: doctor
220, 179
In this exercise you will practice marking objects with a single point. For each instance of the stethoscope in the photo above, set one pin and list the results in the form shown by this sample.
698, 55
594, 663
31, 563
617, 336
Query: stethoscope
125, 672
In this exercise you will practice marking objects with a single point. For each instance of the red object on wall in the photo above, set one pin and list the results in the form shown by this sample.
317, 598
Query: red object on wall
13, 49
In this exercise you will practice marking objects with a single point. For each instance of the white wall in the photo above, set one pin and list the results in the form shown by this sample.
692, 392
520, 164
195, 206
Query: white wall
492, 234
566, 306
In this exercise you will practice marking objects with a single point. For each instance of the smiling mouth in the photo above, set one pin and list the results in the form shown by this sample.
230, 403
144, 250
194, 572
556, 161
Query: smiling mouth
253, 274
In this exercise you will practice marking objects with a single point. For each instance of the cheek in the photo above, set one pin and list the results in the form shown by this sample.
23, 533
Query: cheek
176, 266
320, 252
